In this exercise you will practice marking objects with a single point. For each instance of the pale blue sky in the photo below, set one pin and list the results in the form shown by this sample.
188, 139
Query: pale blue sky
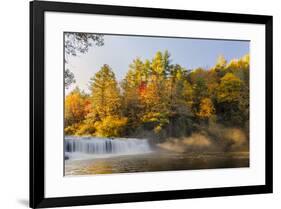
119, 51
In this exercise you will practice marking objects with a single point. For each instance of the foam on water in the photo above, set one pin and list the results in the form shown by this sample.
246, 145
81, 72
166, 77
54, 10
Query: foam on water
89, 147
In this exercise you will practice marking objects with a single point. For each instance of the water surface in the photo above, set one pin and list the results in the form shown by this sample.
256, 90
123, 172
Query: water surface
156, 161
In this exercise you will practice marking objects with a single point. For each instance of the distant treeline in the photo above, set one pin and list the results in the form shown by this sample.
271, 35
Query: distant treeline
158, 100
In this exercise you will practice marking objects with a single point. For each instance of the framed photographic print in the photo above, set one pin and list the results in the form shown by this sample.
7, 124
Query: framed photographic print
135, 104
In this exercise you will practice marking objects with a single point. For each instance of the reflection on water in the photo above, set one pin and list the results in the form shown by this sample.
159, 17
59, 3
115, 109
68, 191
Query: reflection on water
156, 161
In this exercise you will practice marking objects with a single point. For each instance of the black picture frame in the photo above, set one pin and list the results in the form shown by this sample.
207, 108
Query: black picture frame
37, 101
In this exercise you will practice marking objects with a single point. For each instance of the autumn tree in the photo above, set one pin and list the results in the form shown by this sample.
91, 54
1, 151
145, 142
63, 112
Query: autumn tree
76, 109
106, 103
105, 93
179, 96
240, 68
228, 96
111, 126
221, 62
161, 99
180, 90
154, 98
134, 85
206, 109
200, 91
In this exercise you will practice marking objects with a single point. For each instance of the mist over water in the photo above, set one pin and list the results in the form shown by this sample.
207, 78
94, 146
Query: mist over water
92, 155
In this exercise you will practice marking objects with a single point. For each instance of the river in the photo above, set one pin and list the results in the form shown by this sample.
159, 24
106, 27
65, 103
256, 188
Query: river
106, 156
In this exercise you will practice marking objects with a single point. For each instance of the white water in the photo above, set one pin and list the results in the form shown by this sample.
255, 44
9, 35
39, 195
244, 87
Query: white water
87, 147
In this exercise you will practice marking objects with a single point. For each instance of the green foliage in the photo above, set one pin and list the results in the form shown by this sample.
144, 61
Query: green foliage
229, 97
158, 100
105, 93
229, 89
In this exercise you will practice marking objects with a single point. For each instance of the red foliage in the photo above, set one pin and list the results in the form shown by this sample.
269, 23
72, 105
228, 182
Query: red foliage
142, 87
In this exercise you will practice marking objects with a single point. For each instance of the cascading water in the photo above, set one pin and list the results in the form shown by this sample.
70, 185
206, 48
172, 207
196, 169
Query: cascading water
77, 147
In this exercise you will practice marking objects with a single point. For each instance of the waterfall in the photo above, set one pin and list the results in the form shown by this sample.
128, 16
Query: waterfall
101, 146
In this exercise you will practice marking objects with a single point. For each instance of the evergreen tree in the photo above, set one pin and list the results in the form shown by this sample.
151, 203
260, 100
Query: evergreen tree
105, 93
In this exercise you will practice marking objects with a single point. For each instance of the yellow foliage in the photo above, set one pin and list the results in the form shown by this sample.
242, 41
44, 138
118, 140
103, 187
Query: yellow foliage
237, 64
206, 108
221, 61
158, 96
105, 92
71, 130
110, 126
75, 107
85, 129
229, 89
157, 129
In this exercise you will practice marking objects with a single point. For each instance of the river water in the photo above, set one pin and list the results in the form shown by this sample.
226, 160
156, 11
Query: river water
142, 159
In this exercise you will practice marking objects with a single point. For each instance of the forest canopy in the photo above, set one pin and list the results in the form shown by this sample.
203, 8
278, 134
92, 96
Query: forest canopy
157, 100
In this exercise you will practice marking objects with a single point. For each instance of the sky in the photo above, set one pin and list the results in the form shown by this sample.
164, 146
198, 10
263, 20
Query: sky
119, 52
